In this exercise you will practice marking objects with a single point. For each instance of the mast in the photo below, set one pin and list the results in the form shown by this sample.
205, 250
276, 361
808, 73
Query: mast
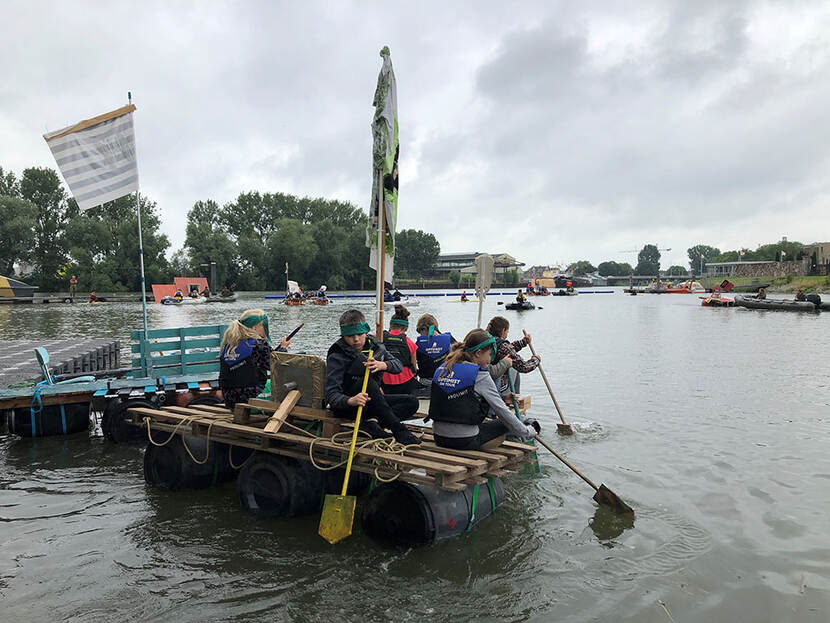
381, 255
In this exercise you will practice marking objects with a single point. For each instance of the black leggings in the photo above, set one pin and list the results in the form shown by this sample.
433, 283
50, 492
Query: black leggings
390, 409
487, 431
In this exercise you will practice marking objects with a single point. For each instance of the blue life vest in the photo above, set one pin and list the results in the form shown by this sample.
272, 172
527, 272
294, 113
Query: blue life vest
240, 370
431, 352
453, 398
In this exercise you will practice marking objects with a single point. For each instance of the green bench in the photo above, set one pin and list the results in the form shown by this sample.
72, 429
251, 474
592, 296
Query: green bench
169, 352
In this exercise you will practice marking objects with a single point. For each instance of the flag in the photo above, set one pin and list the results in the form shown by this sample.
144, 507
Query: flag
97, 157
385, 151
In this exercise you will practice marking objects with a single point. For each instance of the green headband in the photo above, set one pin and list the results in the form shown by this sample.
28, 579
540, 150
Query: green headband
491, 341
252, 321
400, 321
355, 329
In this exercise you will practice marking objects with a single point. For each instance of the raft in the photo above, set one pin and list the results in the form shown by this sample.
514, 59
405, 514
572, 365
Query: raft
564, 293
520, 306
320, 301
221, 299
777, 305
711, 301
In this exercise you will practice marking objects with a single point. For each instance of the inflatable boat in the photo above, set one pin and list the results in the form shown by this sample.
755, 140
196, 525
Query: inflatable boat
777, 305
520, 306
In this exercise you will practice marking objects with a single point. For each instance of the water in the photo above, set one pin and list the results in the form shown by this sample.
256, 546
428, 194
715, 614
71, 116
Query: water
712, 423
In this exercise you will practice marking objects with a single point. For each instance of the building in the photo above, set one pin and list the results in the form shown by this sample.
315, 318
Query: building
465, 263
818, 254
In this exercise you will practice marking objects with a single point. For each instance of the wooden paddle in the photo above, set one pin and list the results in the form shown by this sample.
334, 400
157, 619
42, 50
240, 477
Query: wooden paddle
603, 494
563, 428
338, 510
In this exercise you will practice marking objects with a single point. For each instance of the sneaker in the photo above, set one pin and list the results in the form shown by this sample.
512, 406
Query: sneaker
403, 436
373, 429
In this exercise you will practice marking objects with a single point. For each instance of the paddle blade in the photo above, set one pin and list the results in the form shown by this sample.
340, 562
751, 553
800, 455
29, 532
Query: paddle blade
337, 518
608, 498
564, 429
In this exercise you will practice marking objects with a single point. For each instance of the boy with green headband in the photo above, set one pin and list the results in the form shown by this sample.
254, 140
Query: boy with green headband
346, 363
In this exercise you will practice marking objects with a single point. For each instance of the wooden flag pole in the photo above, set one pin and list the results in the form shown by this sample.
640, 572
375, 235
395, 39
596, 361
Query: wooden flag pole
381, 254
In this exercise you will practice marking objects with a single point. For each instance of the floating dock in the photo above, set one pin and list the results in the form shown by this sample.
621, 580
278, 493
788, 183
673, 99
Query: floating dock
18, 363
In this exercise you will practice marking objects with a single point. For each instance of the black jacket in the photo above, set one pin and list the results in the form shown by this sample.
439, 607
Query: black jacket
342, 362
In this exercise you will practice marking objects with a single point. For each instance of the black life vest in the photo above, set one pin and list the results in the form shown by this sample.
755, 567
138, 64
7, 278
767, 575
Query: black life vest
398, 347
431, 352
355, 368
240, 370
453, 398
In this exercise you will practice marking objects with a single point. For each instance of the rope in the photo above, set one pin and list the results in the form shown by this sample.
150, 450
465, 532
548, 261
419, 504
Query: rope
343, 439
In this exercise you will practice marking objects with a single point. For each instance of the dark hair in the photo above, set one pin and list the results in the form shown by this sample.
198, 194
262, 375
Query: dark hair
496, 325
426, 320
401, 312
458, 350
352, 316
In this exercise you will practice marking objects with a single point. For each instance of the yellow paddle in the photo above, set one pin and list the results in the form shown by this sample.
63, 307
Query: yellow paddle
338, 510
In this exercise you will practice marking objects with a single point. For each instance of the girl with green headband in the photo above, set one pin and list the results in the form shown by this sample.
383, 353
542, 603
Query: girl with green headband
467, 409
346, 362
403, 349
245, 357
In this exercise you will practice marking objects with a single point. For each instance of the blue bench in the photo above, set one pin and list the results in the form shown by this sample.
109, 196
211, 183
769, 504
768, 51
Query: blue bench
182, 351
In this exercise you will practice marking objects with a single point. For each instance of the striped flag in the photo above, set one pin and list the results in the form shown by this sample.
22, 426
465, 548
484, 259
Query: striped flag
97, 157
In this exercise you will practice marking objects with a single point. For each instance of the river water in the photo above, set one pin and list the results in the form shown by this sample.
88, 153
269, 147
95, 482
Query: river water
714, 424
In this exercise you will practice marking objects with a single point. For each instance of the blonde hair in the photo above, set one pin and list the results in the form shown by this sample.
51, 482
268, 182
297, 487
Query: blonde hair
236, 332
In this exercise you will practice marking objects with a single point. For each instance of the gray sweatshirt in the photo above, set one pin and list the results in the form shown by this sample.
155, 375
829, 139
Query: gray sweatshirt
485, 388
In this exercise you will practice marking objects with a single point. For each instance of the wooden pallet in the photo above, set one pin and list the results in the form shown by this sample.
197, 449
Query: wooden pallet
448, 469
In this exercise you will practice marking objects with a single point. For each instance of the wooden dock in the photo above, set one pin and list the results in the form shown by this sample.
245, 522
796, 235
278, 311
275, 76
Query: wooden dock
18, 363
305, 433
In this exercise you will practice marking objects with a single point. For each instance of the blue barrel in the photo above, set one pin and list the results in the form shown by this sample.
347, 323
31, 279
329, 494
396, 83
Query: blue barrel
50, 420
171, 467
277, 486
405, 514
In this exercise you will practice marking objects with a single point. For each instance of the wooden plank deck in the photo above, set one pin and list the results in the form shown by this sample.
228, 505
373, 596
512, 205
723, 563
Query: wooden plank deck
428, 464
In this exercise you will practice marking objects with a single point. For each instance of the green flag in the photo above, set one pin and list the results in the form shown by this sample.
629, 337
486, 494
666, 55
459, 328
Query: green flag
385, 151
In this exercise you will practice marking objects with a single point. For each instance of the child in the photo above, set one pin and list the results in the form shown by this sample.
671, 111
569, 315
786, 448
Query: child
498, 327
462, 395
433, 347
245, 357
345, 366
403, 349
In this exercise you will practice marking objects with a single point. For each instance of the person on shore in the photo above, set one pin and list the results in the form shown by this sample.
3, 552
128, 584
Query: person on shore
73, 283
346, 363
433, 347
463, 394
762, 294
800, 296
403, 349
245, 357
499, 327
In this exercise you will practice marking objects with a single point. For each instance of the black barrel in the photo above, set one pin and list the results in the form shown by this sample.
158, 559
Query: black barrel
51, 420
114, 421
277, 486
358, 481
405, 514
171, 467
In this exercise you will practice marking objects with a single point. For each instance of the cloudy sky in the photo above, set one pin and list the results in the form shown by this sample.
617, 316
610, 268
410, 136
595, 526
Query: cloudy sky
550, 130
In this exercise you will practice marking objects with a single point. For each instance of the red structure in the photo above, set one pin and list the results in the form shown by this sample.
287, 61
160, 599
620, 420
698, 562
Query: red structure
185, 284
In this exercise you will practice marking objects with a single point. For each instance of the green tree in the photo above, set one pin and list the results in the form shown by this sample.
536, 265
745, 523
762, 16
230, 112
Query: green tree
694, 253
614, 268
292, 241
648, 261
207, 240
676, 270
18, 219
9, 186
455, 277
103, 243
42, 187
582, 267
416, 252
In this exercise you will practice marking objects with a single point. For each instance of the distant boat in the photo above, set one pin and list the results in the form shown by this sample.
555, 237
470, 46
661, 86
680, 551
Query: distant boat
14, 291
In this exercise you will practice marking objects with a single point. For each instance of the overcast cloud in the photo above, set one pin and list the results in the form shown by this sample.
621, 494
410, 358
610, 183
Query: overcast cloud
554, 131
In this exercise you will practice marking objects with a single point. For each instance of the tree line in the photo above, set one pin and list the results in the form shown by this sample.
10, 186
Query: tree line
251, 239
